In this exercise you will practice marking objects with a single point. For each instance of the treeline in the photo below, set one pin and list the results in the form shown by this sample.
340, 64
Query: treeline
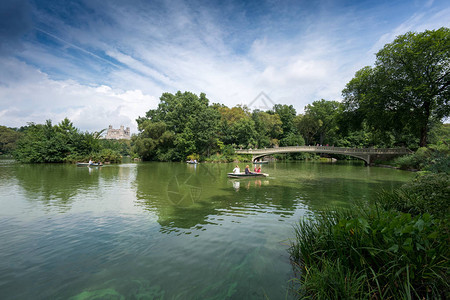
186, 125
48, 143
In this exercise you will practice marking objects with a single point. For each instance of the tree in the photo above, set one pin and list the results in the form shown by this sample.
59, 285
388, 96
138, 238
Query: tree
47, 143
153, 141
236, 125
287, 114
8, 139
320, 120
182, 124
267, 126
244, 132
409, 87
308, 127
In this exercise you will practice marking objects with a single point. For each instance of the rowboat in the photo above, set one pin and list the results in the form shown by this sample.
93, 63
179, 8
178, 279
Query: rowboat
83, 164
243, 175
260, 162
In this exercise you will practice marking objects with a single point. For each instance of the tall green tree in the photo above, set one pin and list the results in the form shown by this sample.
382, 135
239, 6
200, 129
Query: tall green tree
319, 121
408, 89
268, 128
154, 141
287, 114
8, 139
188, 123
237, 126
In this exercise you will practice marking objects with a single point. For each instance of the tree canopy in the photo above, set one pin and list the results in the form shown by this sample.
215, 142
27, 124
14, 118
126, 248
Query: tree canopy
8, 139
407, 90
185, 124
48, 143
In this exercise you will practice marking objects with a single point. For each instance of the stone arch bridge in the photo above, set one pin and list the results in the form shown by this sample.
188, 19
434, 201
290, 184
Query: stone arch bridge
368, 155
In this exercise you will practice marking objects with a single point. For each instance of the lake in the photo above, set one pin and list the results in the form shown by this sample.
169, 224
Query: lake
164, 230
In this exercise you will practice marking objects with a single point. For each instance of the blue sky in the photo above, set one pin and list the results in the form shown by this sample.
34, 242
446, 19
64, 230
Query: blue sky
108, 62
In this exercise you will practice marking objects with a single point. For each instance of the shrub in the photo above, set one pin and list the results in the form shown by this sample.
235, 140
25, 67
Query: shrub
427, 193
436, 159
108, 155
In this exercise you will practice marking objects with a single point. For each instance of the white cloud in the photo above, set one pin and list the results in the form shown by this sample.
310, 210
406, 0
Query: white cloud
31, 96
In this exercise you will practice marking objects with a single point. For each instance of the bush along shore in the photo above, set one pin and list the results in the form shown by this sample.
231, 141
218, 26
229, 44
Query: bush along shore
394, 248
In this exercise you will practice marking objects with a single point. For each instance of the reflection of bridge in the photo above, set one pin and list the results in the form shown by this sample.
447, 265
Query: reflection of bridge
366, 154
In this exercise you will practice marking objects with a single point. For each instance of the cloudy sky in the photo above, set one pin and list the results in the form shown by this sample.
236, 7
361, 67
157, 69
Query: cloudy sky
103, 62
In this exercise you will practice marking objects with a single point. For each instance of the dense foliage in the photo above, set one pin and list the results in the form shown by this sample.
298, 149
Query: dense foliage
47, 143
186, 125
8, 139
428, 193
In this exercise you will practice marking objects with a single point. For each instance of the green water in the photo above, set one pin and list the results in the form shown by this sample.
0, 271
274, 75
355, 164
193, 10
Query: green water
163, 230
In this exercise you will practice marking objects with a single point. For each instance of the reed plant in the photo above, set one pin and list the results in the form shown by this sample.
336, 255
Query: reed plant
370, 253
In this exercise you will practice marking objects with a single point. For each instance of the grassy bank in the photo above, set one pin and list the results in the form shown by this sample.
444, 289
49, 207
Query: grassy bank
394, 248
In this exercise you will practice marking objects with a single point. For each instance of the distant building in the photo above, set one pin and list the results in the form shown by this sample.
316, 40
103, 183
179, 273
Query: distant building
118, 134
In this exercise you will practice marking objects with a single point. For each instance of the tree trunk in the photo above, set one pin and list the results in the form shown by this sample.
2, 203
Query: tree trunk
424, 128
423, 136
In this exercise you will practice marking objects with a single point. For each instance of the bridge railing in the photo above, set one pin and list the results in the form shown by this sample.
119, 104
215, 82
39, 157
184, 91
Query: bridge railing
330, 149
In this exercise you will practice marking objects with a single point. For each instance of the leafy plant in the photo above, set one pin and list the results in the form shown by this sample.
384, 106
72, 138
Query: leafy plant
427, 193
370, 253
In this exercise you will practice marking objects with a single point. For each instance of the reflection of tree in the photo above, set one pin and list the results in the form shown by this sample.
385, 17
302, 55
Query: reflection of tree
343, 192
174, 192
168, 190
322, 185
309, 186
56, 184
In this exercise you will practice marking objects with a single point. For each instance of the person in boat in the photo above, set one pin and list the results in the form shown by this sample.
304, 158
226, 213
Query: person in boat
90, 161
247, 170
259, 170
236, 170
255, 169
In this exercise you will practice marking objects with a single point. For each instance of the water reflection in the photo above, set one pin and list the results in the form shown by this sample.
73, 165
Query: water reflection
247, 183
58, 185
183, 197
187, 197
